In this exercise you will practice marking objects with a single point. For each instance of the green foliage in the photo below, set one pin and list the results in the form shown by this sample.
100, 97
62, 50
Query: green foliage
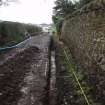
32, 28
83, 2
14, 32
67, 85
58, 21
82, 78
63, 8
11, 31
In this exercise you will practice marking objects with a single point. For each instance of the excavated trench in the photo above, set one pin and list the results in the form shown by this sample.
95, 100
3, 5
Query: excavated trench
52, 76
38, 75
29, 77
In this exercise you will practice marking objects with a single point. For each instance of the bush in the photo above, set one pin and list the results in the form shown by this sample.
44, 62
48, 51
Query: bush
15, 32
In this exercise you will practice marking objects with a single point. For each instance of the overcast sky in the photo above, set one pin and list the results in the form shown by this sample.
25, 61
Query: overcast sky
28, 11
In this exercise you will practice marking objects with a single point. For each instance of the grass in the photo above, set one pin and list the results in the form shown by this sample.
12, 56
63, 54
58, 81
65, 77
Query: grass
75, 91
82, 79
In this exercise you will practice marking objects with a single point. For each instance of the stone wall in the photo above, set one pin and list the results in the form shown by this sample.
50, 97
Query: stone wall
84, 33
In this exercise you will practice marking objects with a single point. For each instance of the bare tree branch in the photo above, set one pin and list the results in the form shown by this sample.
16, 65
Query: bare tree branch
6, 2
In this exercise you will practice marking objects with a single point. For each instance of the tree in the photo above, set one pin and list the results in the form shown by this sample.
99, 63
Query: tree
58, 21
6, 2
63, 7
61, 10
81, 3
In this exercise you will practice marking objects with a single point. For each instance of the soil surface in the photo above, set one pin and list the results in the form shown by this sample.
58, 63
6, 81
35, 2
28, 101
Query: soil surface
37, 73
23, 73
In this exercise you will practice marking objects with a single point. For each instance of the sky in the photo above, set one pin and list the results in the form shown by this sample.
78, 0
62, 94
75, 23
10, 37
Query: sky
28, 11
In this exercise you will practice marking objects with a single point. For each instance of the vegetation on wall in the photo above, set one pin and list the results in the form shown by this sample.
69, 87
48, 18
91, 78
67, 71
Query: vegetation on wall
84, 34
81, 3
63, 8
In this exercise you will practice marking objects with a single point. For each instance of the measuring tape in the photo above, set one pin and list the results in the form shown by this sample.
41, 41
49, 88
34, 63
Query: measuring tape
76, 77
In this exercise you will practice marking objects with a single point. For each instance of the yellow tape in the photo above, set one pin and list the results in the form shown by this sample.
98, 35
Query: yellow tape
80, 86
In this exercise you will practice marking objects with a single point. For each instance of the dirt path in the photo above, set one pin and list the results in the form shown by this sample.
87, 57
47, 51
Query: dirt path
23, 76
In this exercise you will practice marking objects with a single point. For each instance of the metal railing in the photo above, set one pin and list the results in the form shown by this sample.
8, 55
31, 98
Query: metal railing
14, 46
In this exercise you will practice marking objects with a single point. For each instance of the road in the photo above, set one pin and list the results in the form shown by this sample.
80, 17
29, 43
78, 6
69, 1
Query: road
23, 73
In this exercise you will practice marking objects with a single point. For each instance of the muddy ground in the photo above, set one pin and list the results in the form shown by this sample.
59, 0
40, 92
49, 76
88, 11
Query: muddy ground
36, 73
23, 77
